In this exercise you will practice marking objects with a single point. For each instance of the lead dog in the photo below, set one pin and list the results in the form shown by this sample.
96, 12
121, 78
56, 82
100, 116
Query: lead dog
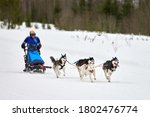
86, 68
59, 65
109, 67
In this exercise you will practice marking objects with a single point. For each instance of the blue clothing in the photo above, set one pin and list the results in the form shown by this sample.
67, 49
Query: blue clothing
33, 54
32, 43
34, 58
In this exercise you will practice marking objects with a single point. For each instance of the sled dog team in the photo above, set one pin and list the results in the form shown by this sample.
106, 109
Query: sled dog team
85, 67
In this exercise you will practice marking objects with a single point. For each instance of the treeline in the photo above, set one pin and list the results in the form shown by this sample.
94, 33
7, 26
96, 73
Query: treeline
122, 16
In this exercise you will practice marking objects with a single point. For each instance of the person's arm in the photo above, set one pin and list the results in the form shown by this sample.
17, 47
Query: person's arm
39, 45
23, 44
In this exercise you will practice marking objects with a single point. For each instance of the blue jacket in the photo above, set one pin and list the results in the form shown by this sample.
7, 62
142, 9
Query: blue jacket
32, 43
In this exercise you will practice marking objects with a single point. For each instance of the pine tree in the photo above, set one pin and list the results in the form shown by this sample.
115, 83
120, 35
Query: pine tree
127, 7
11, 12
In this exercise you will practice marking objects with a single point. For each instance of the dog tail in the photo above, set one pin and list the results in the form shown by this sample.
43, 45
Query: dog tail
52, 59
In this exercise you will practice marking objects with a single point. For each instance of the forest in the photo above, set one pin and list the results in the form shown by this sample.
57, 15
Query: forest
112, 16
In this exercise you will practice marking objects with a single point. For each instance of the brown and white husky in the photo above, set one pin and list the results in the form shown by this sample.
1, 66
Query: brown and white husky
86, 67
109, 67
59, 65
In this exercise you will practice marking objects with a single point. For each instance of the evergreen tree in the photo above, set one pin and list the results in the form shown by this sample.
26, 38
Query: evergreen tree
127, 7
104, 15
106, 8
11, 12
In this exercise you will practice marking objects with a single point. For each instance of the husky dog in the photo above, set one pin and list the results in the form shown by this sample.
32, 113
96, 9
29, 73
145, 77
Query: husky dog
86, 67
109, 67
59, 65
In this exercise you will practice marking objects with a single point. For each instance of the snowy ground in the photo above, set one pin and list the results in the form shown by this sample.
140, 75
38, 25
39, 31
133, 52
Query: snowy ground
130, 81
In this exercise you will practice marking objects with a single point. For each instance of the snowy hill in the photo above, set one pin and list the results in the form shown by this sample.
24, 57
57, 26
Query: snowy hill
130, 81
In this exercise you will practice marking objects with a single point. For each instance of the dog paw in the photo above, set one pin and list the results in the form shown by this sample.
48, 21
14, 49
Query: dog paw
81, 77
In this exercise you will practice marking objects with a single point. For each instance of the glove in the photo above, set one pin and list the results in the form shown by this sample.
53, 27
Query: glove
23, 46
39, 46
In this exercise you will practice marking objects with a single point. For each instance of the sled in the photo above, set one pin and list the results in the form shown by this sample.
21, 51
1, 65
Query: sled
34, 62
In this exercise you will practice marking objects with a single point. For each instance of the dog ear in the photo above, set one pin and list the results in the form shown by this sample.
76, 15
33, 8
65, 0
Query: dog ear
113, 58
116, 58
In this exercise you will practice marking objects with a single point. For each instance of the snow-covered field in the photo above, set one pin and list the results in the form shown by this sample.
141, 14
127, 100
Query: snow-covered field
130, 81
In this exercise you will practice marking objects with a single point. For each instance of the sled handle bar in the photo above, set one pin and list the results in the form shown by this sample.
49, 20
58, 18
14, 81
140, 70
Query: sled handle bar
25, 51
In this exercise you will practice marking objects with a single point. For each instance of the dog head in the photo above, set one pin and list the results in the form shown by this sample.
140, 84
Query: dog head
63, 58
115, 62
90, 60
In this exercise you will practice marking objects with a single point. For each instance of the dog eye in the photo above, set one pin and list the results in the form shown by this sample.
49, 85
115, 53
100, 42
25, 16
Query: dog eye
92, 62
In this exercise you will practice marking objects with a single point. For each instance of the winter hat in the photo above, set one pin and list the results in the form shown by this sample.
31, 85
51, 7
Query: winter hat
32, 32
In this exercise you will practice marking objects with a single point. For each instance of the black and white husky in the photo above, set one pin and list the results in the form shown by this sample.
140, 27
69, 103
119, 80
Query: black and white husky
59, 65
109, 67
86, 67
